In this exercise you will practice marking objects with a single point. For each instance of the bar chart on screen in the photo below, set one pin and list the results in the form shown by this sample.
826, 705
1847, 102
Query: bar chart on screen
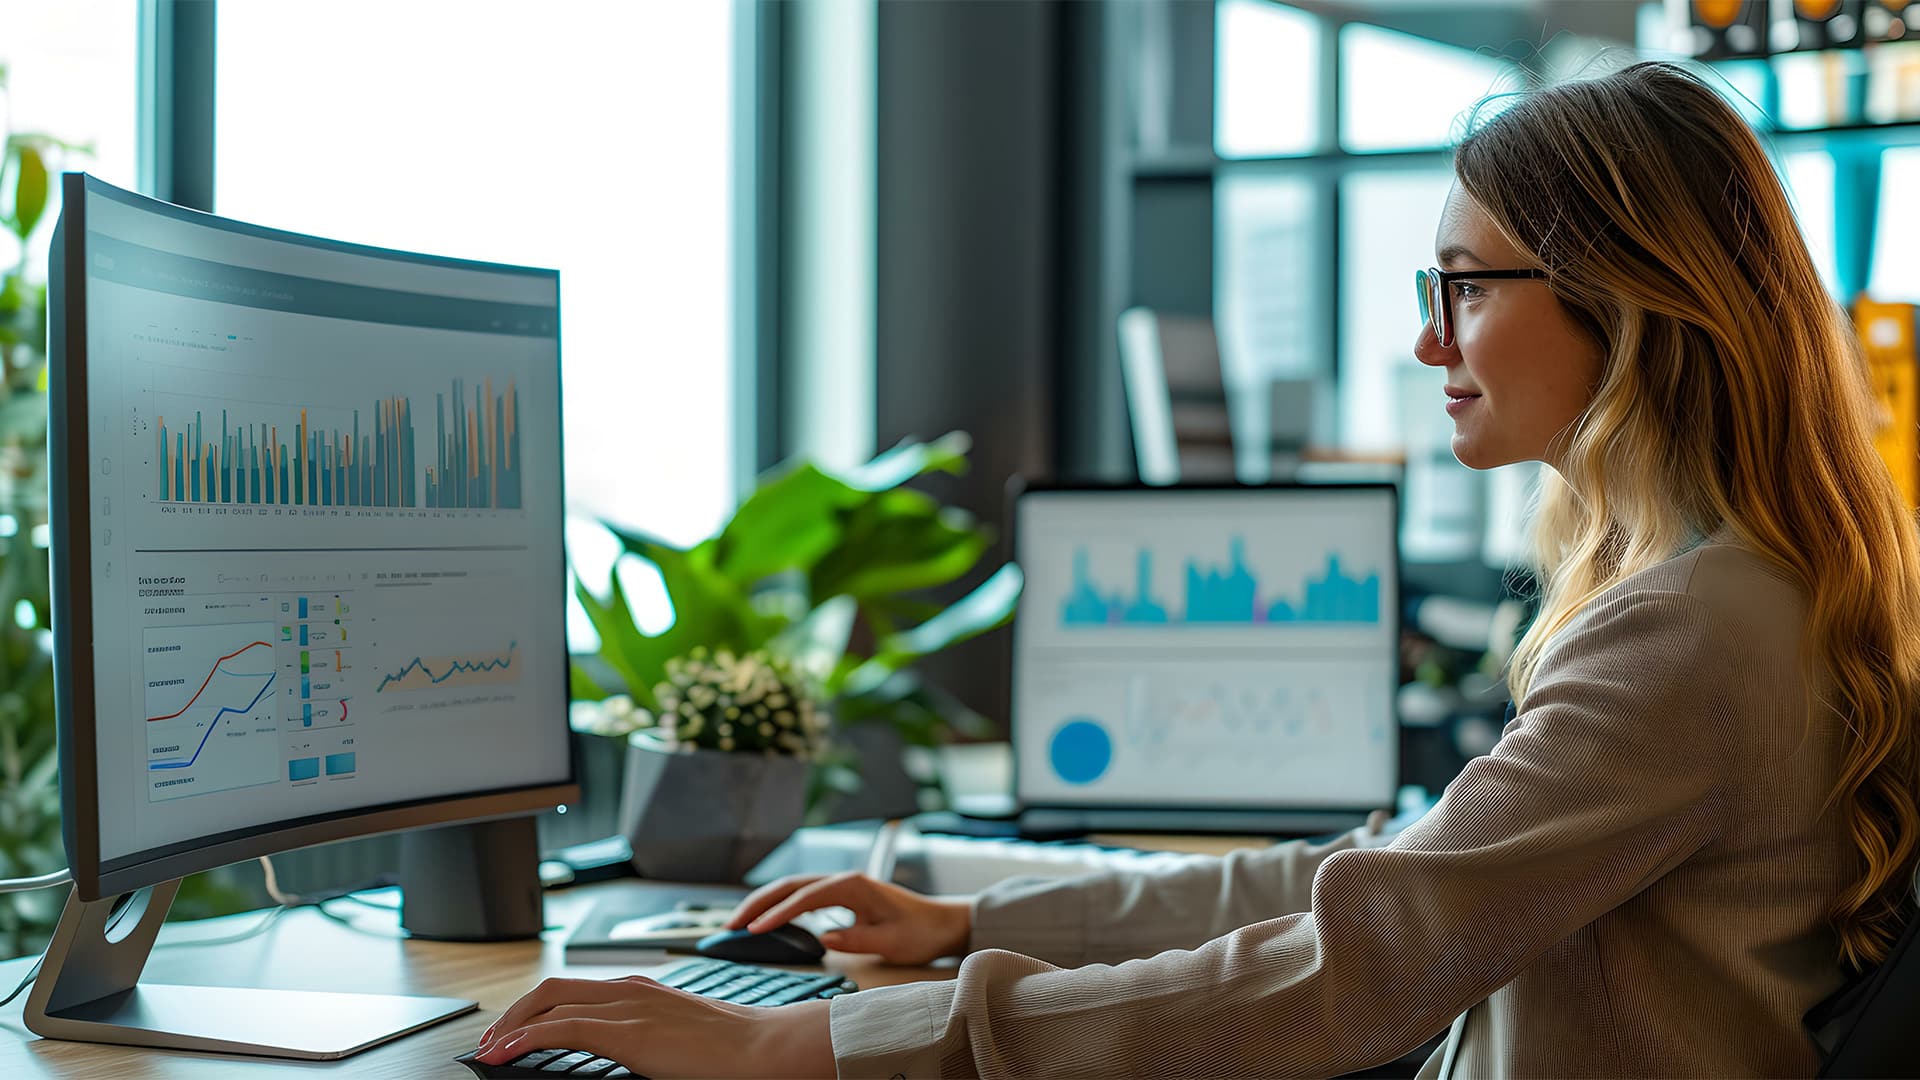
460, 452
1214, 593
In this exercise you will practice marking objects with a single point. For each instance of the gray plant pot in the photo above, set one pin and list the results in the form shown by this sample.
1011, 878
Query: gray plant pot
707, 816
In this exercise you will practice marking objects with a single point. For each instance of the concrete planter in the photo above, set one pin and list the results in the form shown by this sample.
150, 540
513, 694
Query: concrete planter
708, 815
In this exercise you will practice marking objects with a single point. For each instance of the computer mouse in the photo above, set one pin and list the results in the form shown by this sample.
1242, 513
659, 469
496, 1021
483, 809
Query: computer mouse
787, 944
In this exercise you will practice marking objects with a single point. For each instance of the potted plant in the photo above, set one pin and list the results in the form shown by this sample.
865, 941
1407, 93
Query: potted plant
30, 841
800, 616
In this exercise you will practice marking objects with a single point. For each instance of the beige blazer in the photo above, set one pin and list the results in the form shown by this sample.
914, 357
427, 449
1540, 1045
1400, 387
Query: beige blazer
1631, 883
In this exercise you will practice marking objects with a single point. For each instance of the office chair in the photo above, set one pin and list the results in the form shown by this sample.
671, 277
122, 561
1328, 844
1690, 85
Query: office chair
1866, 1028
1176, 397
1181, 410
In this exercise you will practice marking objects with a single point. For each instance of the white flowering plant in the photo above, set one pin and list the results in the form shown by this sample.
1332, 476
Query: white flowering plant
812, 595
752, 703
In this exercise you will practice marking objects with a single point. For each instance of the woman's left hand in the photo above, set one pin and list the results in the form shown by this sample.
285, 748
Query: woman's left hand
660, 1032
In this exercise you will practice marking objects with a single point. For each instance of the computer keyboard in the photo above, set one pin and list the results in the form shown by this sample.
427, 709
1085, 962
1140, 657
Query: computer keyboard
723, 980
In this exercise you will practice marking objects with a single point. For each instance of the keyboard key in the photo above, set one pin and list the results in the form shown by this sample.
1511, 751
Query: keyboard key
723, 980
707, 981
809, 988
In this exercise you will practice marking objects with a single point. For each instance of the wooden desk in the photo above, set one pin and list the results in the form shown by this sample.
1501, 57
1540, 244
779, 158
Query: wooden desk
306, 950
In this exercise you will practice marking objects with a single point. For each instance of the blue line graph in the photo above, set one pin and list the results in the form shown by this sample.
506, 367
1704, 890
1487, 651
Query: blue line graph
418, 673
224, 710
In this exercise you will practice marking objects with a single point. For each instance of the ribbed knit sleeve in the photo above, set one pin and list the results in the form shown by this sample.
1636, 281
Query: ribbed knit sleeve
1614, 771
1111, 916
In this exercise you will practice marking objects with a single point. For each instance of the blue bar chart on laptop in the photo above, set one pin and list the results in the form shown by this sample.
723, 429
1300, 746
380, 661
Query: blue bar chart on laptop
1220, 593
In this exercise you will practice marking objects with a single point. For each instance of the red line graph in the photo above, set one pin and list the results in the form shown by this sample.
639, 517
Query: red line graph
209, 678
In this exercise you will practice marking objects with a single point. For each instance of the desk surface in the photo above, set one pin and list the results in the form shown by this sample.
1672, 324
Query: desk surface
305, 950
308, 951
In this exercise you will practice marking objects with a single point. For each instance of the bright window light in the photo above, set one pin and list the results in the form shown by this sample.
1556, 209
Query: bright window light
593, 136
1266, 79
71, 73
1398, 91
1809, 177
1896, 260
1387, 225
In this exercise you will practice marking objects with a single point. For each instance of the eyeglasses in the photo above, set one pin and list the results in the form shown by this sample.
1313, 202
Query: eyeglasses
1434, 287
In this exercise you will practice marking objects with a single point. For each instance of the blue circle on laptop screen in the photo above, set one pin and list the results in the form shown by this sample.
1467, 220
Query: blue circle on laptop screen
1081, 751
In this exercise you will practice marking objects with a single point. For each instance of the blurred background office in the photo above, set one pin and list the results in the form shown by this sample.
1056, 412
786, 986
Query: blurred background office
1156, 240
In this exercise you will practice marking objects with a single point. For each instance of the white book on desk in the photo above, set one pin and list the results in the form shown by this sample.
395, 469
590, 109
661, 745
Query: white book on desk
617, 931
955, 864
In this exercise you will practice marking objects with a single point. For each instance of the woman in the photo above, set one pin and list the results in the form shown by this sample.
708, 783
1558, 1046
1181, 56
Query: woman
1701, 818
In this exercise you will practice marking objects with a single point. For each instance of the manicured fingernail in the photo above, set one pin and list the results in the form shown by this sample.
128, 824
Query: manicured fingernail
485, 1035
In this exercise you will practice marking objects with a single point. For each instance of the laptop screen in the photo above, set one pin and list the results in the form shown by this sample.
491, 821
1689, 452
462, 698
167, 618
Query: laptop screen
1207, 648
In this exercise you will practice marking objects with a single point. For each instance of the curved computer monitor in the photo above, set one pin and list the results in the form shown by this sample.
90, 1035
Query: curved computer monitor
308, 574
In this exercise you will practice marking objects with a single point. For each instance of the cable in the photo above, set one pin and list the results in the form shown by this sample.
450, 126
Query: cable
273, 885
61, 876
251, 931
286, 902
26, 982
321, 907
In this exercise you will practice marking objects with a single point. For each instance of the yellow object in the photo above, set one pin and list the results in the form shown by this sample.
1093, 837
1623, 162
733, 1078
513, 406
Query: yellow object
1886, 332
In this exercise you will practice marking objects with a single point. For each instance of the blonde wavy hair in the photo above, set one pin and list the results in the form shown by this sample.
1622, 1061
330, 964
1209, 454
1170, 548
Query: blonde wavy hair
1733, 393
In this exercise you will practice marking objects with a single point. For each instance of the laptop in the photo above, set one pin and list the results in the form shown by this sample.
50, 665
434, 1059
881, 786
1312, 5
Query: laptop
1205, 658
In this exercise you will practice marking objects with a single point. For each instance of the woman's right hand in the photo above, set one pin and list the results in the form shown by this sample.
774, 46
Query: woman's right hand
899, 925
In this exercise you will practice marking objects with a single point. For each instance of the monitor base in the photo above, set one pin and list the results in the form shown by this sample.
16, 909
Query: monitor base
88, 990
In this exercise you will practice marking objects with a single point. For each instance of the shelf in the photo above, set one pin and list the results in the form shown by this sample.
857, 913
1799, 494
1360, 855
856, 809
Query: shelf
1897, 133
1192, 164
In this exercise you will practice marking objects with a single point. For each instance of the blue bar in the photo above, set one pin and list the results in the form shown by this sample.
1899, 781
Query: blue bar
303, 633
306, 715
306, 687
306, 768
303, 607
338, 764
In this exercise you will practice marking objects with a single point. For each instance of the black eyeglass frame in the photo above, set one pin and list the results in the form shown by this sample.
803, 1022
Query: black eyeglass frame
1441, 280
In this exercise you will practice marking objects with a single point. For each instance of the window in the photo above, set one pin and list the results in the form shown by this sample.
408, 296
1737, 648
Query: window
1809, 181
1388, 399
1266, 79
1387, 224
594, 137
1896, 260
71, 73
1269, 295
1398, 91
1743, 83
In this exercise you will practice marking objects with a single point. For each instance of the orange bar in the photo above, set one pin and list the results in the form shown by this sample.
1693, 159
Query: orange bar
493, 446
511, 431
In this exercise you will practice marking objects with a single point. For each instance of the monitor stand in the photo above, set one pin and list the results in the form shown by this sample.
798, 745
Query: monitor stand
89, 990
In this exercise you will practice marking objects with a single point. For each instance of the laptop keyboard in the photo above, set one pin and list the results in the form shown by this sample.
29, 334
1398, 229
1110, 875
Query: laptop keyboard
722, 980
